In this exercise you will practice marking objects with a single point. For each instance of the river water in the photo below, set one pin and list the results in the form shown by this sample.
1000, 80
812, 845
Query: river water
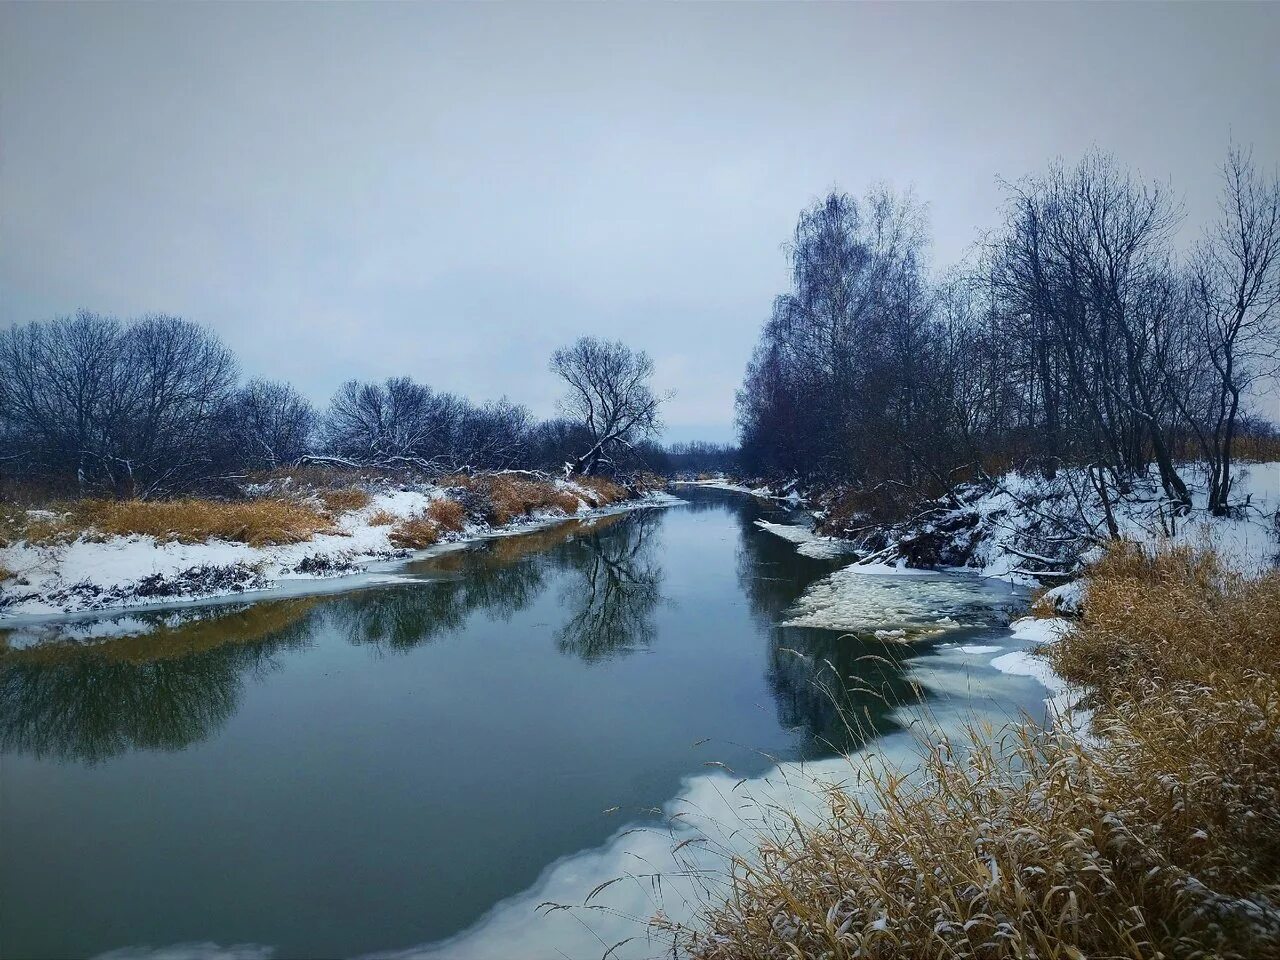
412, 766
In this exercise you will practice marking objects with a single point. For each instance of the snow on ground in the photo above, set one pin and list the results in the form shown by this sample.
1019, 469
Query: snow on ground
136, 570
1020, 502
721, 483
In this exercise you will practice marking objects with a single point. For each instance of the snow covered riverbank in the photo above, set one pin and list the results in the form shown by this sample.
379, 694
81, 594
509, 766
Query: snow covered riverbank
96, 573
1026, 530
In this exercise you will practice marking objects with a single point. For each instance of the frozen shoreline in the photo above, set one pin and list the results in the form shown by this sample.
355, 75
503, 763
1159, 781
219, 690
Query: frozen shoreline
84, 579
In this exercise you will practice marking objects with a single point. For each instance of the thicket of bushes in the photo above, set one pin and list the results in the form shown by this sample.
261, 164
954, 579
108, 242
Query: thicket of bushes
1161, 838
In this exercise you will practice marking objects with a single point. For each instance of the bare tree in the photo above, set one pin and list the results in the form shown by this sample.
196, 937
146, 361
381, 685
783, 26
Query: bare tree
1084, 260
131, 409
270, 423
609, 395
1236, 284
403, 422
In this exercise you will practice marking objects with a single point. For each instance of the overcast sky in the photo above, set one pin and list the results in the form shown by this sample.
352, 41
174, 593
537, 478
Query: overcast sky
451, 191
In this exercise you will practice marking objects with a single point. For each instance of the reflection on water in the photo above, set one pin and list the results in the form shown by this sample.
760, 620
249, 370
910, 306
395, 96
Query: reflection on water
89, 690
612, 599
172, 684
162, 680
412, 751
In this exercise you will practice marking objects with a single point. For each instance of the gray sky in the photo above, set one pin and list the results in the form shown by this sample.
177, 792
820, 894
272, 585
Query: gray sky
451, 191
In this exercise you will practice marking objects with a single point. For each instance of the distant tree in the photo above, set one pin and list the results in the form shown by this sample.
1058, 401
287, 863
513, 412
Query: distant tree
403, 422
609, 396
1236, 295
270, 423
698, 456
133, 409
380, 422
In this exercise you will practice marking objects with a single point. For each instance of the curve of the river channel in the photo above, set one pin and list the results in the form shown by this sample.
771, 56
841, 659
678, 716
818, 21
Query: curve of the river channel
411, 768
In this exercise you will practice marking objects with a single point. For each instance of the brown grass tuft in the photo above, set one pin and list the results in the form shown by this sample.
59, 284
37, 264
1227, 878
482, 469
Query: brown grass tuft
415, 533
1257, 449
447, 514
44, 527
344, 499
382, 518
512, 497
1160, 839
1174, 616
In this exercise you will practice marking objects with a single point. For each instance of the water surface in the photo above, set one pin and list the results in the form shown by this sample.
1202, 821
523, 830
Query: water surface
367, 771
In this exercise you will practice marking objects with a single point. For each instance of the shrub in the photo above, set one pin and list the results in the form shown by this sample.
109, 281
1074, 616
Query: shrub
6, 574
416, 532
447, 514
382, 518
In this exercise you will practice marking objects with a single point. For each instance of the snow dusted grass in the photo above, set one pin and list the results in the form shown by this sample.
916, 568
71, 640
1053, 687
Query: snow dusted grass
1159, 836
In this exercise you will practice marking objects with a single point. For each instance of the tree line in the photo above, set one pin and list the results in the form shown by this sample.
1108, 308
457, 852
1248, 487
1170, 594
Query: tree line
156, 407
1078, 334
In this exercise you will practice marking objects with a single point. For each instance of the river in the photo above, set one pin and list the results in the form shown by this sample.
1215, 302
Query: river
412, 766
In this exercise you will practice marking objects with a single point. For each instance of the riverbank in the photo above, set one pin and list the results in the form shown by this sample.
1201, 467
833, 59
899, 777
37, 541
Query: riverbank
1153, 834
1029, 527
286, 530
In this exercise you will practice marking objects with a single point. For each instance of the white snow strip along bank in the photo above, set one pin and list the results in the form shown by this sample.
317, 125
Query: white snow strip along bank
1246, 540
134, 571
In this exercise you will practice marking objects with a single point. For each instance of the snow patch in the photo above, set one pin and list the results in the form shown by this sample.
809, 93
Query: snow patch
808, 543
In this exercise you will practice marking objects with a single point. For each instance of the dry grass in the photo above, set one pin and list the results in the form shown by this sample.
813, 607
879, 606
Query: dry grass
1257, 449
1160, 839
509, 496
45, 527
1173, 617
6, 574
264, 522
259, 523
382, 518
513, 497
605, 491
344, 499
447, 514
416, 532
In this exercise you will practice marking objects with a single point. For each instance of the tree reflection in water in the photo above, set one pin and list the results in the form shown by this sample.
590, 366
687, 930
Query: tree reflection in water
172, 685
619, 585
173, 678
179, 676
842, 690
